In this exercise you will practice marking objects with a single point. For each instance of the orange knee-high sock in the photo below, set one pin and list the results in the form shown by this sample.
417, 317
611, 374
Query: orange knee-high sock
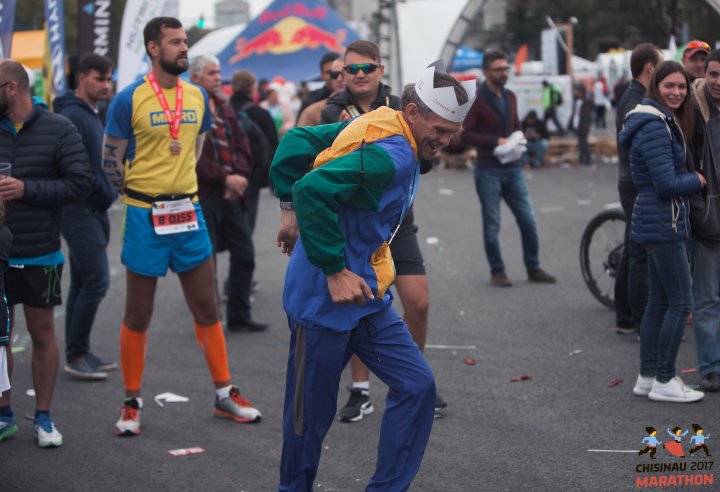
212, 342
132, 357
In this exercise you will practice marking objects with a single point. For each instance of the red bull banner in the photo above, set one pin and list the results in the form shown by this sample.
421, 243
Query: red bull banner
287, 39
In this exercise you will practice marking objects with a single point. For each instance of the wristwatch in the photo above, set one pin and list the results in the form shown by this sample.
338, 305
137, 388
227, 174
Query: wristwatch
287, 206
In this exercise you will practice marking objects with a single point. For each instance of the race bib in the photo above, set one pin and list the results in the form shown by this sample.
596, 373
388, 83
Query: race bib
174, 216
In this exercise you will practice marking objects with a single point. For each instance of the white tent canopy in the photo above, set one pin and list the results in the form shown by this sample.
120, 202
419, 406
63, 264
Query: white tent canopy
214, 42
424, 28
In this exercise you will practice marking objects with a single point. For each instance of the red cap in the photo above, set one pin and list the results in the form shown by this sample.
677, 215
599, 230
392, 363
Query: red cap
696, 46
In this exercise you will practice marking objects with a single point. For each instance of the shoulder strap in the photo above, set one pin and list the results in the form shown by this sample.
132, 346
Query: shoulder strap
245, 106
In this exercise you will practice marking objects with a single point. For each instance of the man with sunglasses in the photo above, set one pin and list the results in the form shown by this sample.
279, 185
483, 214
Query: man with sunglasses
50, 169
694, 58
492, 119
311, 115
326, 74
364, 90
347, 207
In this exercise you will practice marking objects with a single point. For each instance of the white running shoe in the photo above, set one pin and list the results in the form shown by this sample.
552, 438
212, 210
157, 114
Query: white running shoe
46, 434
674, 391
129, 422
643, 385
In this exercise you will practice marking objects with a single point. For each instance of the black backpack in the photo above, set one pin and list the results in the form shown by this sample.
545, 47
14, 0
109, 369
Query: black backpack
557, 96
260, 148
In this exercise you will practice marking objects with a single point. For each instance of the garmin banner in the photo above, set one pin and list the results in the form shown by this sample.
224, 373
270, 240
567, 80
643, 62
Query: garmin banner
7, 22
132, 60
56, 35
94, 27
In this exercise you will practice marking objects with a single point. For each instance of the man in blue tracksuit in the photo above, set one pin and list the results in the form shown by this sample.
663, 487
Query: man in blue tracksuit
346, 187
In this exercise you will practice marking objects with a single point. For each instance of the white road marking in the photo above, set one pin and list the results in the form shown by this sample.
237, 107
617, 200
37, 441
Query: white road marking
547, 210
451, 347
612, 450
609, 206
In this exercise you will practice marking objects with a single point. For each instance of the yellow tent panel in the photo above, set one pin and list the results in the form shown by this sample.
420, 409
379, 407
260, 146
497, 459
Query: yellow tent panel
28, 48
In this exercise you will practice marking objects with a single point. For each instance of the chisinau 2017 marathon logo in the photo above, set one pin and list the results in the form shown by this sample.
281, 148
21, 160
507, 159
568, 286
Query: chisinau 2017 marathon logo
683, 471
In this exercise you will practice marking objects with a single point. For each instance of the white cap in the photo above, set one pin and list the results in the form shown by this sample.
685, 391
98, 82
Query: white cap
442, 100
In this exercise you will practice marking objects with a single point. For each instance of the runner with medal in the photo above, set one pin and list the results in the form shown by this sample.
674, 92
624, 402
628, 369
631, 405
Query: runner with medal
150, 153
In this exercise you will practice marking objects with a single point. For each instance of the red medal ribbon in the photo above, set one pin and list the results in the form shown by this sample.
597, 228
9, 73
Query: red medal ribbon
173, 120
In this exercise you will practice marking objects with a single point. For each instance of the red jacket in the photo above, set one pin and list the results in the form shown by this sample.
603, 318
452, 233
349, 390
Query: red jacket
484, 125
226, 150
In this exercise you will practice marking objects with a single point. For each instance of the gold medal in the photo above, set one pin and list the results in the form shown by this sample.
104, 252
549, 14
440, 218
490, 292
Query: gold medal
175, 147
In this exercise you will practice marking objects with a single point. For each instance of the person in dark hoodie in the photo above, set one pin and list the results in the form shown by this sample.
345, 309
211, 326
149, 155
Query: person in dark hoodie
50, 169
657, 132
705, 217
85, 225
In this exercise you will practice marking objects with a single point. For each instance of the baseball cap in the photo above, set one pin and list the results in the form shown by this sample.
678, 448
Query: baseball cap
696, 46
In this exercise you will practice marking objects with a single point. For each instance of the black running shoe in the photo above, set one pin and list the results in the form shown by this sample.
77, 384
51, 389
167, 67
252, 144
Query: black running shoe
358, 405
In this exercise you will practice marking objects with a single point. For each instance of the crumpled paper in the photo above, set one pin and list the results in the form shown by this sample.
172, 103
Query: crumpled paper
513, 149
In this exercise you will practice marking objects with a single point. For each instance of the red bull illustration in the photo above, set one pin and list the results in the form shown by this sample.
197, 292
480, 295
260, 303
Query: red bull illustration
288, 36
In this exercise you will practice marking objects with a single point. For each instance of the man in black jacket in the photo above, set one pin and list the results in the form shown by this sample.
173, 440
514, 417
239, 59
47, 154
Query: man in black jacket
327, 89
50, 169
244, 88
364, 90
631, 275
705, 216
85, 224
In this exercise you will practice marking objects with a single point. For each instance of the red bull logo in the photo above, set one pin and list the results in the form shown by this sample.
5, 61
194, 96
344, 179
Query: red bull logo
288, 36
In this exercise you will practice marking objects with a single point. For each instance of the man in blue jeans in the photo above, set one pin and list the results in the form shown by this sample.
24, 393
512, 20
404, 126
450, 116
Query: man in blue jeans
492, 118
85, 224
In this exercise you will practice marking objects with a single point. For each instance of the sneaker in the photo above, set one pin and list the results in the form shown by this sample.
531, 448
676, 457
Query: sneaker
626, 330
358, 405
541, 276
83, 368
643, 385
500, 279
8, 427
237, 408
249, 325
103, 365
440, 403
129, 422
45, 432
711, 382
674, 391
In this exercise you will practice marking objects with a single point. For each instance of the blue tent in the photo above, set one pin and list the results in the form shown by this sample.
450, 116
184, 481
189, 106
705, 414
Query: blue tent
466, 58
287, 39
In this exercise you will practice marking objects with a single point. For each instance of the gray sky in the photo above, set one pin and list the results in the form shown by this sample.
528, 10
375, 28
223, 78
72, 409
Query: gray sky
190, 10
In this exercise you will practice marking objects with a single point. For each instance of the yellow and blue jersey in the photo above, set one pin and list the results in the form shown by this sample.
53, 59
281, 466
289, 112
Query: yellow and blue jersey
135, 115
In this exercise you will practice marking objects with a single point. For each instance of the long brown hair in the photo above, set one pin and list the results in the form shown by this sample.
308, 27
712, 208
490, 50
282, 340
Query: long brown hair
683, 114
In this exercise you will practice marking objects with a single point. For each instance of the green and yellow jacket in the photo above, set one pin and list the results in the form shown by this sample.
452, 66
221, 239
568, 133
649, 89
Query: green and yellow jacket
351, 184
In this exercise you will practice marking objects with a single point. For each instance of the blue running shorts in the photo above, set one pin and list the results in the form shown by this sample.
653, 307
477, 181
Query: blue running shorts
147, 253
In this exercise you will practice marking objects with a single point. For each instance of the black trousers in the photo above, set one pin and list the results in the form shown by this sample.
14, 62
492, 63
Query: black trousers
631, 274
228, 227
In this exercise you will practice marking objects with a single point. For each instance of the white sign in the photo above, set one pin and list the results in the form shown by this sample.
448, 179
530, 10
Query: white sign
132, 59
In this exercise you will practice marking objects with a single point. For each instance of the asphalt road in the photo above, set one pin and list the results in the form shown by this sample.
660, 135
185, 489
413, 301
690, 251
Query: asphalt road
496, 434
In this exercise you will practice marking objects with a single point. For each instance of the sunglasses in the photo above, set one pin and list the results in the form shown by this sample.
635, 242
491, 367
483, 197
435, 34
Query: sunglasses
692, 45
5, 83
333, 74
365, 67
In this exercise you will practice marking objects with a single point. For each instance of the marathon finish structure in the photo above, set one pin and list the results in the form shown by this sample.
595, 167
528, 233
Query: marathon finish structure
287, 39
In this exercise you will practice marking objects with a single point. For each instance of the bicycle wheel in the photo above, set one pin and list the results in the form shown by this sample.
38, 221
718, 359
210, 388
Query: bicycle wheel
600, 250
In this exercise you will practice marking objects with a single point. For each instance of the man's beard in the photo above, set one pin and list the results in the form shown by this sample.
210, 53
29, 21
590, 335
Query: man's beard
3, 108
172, 68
